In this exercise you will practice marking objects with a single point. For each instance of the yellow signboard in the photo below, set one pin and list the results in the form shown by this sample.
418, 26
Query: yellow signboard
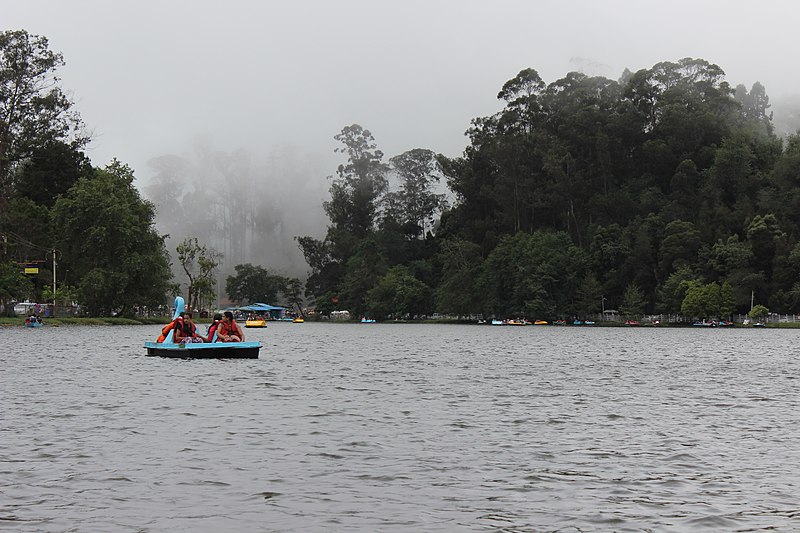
31, 270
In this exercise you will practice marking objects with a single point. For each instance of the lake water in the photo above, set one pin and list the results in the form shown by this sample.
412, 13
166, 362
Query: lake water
351, 427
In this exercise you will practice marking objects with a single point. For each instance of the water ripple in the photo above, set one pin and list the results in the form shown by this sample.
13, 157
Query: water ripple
400, 428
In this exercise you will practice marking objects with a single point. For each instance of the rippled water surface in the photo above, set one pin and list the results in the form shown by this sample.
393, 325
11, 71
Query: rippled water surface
351, 427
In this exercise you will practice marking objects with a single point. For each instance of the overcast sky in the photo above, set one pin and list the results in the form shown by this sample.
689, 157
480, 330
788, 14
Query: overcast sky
149, 76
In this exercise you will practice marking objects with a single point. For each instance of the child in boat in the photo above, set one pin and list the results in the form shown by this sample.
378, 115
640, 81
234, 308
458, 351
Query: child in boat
229, 330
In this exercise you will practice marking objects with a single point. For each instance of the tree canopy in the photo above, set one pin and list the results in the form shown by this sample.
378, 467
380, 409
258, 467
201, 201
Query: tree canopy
105, 231
663, 191
35, 111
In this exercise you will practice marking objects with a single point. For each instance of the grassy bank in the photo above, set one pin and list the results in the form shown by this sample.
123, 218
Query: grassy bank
83, 321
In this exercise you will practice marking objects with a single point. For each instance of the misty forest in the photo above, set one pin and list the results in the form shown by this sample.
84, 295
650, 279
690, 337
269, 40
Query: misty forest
665, 191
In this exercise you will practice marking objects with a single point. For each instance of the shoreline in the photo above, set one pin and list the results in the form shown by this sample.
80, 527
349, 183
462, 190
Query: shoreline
156, 321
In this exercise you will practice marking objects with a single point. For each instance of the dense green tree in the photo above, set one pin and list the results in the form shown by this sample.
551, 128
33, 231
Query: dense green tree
641, 266
398, 294
535, 275
457, 292
781, 194
50, 171
35, 112
26, 227
727, 304
694, 304
357, 193
363, 270
755, 105
105, 231
763, 233
359, 184
474, 217
325, 271
608, 252
253, 284
732, 174
758, 312
730, 256
64, 295
684, 187
416, 201
293, 294
14, 286
633, 302
589, 296
702, 301
673, 291
679, 246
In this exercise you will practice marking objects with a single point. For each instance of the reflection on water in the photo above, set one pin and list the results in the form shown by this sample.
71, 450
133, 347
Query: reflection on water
350, 427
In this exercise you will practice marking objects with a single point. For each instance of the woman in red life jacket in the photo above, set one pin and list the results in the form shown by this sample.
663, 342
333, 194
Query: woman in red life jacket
229, 330
186, 331
213, 328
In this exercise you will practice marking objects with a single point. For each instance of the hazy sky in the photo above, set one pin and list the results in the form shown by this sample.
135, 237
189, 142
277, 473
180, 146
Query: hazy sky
149, 76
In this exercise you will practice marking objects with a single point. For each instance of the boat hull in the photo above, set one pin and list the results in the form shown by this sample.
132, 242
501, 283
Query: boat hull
217, 350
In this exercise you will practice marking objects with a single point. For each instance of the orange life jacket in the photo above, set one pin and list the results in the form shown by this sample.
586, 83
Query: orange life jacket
166, 329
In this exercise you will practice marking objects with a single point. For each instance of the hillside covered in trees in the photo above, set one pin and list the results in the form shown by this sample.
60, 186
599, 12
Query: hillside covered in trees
665, 191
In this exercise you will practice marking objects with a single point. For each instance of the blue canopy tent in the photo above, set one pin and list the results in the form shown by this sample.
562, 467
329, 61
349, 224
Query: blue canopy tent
273, 311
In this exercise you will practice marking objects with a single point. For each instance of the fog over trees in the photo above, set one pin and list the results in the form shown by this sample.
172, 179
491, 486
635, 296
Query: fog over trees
247, 206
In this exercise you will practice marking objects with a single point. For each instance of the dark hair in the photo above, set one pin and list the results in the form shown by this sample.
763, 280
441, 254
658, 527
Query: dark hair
217, 316
188, 313
229, 315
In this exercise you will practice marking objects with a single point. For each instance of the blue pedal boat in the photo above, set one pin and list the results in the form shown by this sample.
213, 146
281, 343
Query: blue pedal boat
205, 350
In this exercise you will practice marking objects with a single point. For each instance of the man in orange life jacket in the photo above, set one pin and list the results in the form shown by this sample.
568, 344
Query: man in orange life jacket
229, 330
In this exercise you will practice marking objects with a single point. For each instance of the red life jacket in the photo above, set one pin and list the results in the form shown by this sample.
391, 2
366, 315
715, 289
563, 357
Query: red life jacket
212, 329
188, 329
226, 328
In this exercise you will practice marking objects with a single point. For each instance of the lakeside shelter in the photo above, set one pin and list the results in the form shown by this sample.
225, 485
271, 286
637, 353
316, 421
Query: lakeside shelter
273, 312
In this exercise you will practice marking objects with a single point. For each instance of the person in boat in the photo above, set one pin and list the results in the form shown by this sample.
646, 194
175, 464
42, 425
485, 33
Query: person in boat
229, 330
212, 329
186, 331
